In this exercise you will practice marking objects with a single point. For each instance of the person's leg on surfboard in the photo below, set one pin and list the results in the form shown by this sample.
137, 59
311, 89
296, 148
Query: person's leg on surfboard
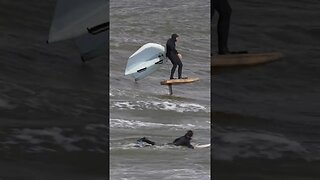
174, 66
224, 9
179, 68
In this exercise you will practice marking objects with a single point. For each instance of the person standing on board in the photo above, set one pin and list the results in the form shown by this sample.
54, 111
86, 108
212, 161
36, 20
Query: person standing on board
174, 56
224, 10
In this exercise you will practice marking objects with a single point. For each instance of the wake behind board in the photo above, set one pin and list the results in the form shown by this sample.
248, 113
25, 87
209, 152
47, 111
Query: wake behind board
248, 59
178, 81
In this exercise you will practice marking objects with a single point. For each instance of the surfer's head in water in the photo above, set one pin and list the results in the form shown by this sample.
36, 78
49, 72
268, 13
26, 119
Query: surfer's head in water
174, 37
189, 134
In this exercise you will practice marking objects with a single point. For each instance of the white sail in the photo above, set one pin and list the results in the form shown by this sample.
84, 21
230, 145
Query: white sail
73, 18
145, 61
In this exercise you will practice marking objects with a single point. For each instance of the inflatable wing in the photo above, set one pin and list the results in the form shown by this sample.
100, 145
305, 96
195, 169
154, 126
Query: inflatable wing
84, 21
145, 61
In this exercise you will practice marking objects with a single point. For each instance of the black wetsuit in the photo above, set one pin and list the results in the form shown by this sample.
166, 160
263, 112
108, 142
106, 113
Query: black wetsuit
224, 10
172, 54
183, 141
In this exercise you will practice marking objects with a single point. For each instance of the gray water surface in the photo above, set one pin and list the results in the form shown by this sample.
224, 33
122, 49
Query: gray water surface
144, 108
267, 117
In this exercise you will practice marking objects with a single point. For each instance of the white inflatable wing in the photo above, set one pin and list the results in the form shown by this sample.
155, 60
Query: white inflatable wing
145, 61
84, 21
73, 18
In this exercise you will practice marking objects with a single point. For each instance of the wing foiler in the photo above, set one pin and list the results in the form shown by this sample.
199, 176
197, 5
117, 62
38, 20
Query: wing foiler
145, 61
86, 22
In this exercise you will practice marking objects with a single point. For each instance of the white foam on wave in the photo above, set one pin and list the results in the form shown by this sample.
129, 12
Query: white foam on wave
125, 105
134, 124
113, 92
159, 105
162, 147
187, 174
134, 146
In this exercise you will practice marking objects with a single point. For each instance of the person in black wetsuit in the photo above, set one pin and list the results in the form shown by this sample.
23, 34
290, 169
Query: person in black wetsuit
174, 56
184, 140
181, 141
224, 10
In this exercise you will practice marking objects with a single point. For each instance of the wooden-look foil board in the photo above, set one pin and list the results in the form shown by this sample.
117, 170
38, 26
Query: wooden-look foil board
178, 81
244, 59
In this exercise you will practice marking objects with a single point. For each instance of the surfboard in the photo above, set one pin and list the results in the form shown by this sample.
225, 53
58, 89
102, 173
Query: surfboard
244, 59
171, 82
145, 61
203, 146
178, 81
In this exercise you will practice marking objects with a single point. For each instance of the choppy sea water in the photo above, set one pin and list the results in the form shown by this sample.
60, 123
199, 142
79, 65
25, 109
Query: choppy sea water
144, 108
266, 118
53, 108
